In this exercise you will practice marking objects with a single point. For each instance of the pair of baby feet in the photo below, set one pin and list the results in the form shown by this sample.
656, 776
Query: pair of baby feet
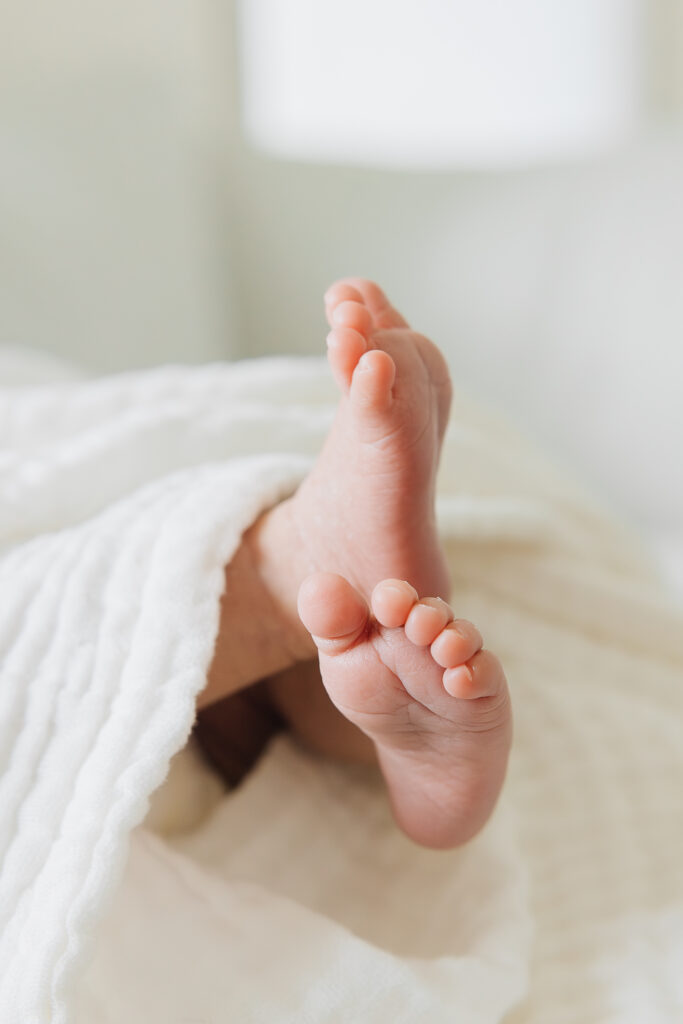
394, 659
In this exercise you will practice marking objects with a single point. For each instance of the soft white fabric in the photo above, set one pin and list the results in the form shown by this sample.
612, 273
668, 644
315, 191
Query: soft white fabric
295, 899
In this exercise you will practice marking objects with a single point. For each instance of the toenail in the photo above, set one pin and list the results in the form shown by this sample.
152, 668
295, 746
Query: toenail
470, 634
339, 316
395, 588
333, 291
346, 309
455, 678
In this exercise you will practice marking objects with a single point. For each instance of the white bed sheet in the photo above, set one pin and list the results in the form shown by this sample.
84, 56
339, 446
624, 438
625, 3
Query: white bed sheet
583, 852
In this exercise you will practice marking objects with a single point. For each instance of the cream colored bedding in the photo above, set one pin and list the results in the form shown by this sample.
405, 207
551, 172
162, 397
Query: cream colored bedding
295, 899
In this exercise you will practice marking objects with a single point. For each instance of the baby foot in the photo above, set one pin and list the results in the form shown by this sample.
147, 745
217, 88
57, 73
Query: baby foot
366, 510
419, 684
377, 471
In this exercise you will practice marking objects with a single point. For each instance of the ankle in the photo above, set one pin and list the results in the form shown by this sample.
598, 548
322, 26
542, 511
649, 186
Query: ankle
259, 632
277, 558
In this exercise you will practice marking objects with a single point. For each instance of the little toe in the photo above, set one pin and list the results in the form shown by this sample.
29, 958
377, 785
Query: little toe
344, 348
427, 620
353, 314
391, 602
332, 611
482, 676
457, 643
383, 313
372, 381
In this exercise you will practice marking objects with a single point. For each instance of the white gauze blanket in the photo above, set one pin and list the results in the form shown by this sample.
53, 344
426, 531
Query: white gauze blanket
295, 899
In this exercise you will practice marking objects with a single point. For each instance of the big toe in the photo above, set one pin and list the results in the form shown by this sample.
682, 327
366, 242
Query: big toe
332, 611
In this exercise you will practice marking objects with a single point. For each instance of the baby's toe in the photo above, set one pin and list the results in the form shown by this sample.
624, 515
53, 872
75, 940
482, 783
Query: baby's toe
333, 612
352, 314
383, 313
482, 676
371, 383
391, 602
345, 346
455, 644
340, 291
427, 620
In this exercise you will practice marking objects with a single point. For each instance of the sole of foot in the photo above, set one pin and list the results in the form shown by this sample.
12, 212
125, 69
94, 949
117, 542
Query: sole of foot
418, 682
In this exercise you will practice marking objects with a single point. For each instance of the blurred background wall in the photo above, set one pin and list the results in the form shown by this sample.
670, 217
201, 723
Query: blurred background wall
139, 226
